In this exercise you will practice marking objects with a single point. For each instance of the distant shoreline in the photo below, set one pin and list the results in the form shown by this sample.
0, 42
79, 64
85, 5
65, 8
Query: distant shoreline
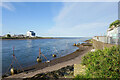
18, 38
29, 38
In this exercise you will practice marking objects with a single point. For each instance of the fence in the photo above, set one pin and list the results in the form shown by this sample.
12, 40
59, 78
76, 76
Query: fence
109, 40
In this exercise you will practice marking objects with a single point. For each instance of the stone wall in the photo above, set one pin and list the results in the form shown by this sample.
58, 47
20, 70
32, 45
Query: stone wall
101, 45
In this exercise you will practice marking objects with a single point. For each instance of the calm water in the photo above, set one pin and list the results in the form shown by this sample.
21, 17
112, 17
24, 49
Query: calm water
27, 51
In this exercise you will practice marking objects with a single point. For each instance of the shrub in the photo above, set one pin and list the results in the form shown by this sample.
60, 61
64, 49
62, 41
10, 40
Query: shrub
102, 63
115, 23
8, 35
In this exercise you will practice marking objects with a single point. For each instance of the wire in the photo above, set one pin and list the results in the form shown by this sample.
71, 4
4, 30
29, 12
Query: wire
44, 56
19, 64
9, 67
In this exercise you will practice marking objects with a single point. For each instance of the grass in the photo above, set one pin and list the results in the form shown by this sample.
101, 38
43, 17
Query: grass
102, 64
91, 41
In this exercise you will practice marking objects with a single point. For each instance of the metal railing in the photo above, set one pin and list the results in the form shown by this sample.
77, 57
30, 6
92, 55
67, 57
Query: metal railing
109, 40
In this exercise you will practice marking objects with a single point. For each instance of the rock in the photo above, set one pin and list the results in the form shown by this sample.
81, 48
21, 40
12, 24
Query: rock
79, 69
86, 44
54, 75
78, 44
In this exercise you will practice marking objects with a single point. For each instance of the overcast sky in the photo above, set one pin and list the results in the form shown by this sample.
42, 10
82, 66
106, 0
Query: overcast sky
58, 19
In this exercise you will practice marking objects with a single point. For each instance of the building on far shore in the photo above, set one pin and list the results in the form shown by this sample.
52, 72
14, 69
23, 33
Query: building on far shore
20, 35
30, 34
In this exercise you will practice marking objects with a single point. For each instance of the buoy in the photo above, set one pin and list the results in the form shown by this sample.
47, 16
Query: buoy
39, 60
47, 61
54, 55
74, 44
12, 71
11, 68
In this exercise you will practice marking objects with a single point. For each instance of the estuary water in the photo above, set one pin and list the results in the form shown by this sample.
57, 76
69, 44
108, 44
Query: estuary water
26, 51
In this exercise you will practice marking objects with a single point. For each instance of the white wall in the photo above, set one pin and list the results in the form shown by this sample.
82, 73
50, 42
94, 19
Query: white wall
118, 31
113, 36
28, 33
113, 33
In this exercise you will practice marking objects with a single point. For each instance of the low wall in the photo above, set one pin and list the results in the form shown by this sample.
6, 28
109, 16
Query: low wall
101, 45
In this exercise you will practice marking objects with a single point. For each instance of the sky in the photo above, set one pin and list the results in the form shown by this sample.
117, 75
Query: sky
58, 19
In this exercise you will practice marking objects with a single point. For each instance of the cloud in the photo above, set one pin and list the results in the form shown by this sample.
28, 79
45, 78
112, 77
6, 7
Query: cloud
7, 5
88, 29
82, 19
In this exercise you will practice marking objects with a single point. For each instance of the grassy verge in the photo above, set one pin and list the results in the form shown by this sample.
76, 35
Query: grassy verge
102, 64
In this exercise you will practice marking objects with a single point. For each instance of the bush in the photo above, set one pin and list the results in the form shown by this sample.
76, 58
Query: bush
102, 63
115, 23
8, 35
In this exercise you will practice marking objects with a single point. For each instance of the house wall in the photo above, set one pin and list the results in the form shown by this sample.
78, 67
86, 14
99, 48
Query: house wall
103, 39
30, 34
118, 31
113, 33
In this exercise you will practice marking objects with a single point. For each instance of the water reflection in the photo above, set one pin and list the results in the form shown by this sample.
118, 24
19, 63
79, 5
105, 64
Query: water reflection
29, 43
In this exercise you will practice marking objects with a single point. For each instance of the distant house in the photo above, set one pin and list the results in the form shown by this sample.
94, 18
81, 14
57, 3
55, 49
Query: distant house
7, 35
31, 34
20, 35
